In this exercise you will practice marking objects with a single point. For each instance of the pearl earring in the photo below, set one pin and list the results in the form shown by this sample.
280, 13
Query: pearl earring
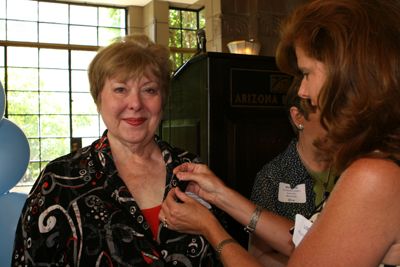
300, 127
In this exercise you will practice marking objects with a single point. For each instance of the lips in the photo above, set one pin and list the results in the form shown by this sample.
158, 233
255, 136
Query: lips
135, 121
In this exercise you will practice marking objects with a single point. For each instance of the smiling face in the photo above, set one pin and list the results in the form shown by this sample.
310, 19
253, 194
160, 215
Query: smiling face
314, 76
131, 109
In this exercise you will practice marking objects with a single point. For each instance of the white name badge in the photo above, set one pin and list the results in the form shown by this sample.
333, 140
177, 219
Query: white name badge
287, 194
301, 227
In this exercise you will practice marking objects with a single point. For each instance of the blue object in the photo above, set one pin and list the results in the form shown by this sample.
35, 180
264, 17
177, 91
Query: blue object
2, 101
10, 209
14, 155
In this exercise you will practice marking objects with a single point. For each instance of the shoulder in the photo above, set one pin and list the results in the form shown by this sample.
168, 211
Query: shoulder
373, 173
177, 154
371, 185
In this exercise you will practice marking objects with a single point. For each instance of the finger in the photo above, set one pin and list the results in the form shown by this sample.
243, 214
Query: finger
185, 167
181, 195
171, 198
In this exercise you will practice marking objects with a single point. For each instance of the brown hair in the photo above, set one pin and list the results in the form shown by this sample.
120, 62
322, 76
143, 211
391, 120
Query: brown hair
358, 41
129, 57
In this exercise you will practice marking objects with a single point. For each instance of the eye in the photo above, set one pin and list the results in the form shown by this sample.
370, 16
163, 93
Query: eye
119, 89
150, 90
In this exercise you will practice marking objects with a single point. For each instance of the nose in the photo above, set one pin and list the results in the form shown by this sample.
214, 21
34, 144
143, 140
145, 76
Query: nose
134, 100
303, 93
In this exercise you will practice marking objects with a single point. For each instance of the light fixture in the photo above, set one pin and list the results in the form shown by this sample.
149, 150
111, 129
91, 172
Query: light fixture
250, 47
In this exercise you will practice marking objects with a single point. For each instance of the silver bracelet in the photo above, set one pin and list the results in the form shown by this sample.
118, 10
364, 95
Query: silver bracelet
253, 220
221, 244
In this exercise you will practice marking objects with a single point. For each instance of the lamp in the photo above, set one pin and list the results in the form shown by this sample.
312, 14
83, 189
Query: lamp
250, 47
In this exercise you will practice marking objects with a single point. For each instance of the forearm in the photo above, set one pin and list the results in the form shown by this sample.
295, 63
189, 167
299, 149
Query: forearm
232, 253
265, 254
271, 228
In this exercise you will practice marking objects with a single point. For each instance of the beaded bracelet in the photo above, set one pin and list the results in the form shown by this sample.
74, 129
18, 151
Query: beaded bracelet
253, 220
221, 245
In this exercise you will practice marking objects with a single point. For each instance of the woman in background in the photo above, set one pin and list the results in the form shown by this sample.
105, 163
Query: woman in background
298, 179
347, 54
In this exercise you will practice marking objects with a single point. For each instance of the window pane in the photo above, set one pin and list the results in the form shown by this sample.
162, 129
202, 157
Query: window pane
85, 126
52, 148
53, 33
202, 18
83, 15
22, 56
54, 80
2, 56
53, 58
23, 79
89, 141
82, 103
80, 82
53, 12
54, 103
189, 39
175, 38
2, 29
2, 9
107, 35
32, 172
34, 147
54, 125
189, 20
2, 73
22, 10
186, 56
112, 17
23, 102
176, 59
80, 60
174, 18
29, 124
83, 35
22, 31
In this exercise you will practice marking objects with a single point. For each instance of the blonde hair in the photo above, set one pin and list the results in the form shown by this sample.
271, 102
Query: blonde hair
130, 57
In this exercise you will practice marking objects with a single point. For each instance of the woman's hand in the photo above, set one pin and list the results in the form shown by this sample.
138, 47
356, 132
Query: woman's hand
203, 182
188, 215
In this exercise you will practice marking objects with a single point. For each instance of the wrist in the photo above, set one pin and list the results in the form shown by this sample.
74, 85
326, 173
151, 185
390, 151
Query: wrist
223, 197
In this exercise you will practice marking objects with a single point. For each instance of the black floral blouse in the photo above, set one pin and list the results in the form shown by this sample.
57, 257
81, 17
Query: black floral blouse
80, 213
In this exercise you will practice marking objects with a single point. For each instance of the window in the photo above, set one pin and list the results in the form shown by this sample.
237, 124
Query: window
183, 26
45, 49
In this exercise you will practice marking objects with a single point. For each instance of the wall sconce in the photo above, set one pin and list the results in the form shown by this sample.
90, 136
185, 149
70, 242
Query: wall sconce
250, 47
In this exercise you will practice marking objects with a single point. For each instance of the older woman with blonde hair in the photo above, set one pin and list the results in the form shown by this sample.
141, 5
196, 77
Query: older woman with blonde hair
99, 206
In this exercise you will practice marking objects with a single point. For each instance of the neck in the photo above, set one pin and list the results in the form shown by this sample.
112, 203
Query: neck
311, 158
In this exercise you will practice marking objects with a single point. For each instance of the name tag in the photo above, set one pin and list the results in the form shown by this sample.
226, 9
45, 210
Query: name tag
287, 194
301, 227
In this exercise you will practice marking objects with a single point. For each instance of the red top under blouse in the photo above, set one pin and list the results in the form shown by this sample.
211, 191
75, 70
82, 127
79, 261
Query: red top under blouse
151, 216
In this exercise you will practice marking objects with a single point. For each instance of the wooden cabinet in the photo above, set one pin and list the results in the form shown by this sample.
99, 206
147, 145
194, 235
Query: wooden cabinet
229, 109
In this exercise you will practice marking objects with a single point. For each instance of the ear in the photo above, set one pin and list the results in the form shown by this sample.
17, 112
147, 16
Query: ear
296, 116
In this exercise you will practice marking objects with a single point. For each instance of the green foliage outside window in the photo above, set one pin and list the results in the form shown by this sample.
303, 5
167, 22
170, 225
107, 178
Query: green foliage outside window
45, 49
183, 26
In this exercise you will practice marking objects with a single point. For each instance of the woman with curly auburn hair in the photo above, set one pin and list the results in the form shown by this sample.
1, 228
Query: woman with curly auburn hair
347, 55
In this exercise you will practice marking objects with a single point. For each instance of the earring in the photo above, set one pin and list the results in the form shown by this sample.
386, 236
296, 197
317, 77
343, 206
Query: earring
300, 127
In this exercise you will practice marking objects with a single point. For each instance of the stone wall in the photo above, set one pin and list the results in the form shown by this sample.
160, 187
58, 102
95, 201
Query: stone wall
229, 20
